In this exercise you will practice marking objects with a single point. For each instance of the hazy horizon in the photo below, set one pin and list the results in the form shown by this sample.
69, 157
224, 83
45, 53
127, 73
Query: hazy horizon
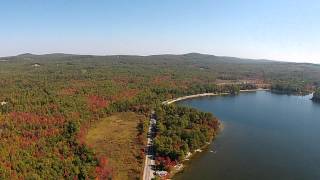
273, 30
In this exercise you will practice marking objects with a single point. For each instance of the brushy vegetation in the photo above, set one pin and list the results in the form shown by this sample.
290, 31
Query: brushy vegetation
121, 138
48, 102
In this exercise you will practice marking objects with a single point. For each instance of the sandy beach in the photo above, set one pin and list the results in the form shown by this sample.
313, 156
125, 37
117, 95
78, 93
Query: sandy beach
206, 94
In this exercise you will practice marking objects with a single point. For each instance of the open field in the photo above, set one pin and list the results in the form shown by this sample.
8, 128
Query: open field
116, 137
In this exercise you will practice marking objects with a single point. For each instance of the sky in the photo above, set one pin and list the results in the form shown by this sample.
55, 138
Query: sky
286, 30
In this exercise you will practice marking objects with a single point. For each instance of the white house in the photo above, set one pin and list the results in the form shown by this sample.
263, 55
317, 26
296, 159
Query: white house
3, 103
161, 173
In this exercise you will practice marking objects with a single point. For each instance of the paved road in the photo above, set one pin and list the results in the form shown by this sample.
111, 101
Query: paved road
148, 172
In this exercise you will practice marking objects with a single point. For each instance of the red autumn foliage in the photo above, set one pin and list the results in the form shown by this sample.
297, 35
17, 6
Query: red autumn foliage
68, 91
214, 123
125, 95
121, 80
161, 79
165, 162
96, 102
82, 132
33, 127
24, 118
102, 170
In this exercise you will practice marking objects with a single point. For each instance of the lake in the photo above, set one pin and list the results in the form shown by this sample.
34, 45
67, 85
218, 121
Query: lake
265, 136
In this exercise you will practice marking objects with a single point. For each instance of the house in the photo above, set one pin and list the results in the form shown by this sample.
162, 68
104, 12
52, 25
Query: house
161, 173
3, 103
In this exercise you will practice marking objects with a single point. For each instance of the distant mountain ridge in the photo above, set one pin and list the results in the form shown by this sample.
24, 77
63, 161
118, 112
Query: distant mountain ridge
193, 55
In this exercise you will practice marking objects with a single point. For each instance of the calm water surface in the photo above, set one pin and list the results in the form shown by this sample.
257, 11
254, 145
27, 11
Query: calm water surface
265, 136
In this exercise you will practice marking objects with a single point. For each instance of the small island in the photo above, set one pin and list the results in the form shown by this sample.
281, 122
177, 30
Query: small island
316, 95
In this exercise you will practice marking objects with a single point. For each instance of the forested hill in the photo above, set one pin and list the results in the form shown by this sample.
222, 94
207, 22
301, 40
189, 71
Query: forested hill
221, 67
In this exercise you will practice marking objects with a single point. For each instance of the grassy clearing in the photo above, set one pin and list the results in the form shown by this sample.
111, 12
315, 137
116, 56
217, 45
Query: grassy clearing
116, 137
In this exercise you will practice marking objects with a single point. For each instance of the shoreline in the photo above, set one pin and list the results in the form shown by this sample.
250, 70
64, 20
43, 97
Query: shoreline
167, 102
316, 100
187, 160
179, 167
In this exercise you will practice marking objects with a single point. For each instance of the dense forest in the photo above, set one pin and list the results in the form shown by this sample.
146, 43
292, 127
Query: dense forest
181, 130
291, 87
48, 102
